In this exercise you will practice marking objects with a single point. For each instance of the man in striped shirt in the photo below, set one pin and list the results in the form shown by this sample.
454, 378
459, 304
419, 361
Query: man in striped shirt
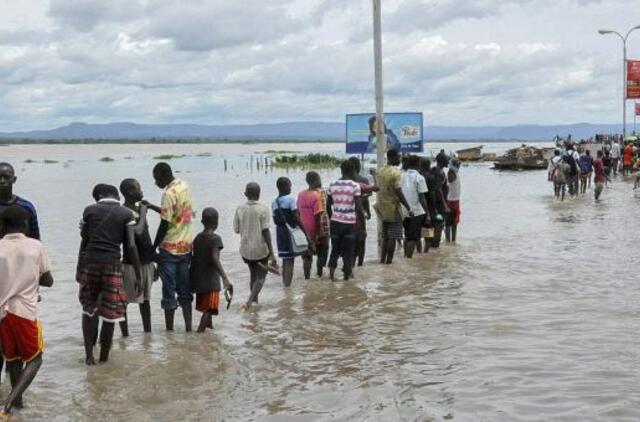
344, 206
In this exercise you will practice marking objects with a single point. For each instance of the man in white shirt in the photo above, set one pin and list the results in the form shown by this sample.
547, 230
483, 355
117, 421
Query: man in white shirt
616, 152
414, 188
24, 266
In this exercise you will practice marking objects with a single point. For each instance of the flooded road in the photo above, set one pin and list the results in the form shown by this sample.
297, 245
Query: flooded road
532, 316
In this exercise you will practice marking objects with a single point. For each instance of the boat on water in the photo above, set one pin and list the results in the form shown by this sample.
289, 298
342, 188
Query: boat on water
522, 158
470, 154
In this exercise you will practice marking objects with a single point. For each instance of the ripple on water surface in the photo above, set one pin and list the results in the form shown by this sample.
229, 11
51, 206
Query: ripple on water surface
532, 316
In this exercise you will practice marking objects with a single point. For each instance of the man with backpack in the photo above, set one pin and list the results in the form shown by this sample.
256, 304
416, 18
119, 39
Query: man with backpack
571, 157
558, 170
586, 168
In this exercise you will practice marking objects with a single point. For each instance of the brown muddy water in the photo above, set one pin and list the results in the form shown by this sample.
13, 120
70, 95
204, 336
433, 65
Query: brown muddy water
532, 316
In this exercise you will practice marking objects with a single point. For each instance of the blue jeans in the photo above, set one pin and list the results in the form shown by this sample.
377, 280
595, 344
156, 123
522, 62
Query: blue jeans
343, 245
176, 279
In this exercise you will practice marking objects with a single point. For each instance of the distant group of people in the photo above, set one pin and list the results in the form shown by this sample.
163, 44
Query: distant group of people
572, 167
118, 260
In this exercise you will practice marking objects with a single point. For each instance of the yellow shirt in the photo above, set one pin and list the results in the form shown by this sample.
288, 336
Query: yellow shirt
178, 212
388, 205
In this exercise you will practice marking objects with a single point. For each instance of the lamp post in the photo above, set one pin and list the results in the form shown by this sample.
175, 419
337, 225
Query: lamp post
624, 73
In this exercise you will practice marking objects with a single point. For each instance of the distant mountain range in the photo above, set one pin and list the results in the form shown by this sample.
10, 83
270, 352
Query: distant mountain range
294, 131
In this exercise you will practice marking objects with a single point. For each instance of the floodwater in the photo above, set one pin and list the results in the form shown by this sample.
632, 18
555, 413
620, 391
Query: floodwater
532, 316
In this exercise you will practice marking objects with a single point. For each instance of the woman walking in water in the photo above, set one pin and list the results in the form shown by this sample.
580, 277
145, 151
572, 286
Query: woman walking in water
453, 200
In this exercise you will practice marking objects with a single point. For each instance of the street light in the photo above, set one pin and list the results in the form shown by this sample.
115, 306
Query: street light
624, 73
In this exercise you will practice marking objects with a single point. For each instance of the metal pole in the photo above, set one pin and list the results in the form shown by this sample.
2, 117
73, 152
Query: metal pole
381, 141
624, 90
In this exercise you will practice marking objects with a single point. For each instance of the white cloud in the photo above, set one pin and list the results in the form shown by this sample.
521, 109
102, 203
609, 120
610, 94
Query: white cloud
459, 61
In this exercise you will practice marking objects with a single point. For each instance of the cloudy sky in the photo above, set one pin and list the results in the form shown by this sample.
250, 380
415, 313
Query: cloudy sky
461, 62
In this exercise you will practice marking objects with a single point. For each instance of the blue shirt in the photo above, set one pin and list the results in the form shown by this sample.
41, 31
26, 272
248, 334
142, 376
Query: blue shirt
284, 206
34, 228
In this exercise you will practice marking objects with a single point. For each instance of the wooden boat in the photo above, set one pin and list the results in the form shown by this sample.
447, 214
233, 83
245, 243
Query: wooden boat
470, 154
523, 158
504, 163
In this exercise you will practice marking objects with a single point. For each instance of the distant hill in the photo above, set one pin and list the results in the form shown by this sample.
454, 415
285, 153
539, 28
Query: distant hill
285, 131
298, 131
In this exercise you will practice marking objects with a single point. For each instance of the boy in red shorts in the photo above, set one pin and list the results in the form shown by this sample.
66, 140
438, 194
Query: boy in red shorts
24, 266
206, 269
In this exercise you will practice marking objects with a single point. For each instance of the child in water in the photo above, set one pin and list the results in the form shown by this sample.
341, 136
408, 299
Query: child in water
251, 222
206, 269
285, 213
24, 266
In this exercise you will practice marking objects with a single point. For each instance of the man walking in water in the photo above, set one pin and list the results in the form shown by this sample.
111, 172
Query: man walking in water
361, 222
24, 266
616, 152
132, 192
390, 197
174, 238
105, 226
600, 177
345, 204
7, 198
414, 188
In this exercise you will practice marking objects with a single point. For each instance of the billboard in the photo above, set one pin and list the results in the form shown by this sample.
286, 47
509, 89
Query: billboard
403, 131
633, 78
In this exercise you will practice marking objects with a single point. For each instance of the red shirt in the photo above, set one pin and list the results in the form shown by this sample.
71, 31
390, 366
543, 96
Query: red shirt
598, 165
628, 155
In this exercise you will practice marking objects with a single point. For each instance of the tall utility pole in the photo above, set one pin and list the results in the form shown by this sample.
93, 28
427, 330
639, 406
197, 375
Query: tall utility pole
624, 39
381, 140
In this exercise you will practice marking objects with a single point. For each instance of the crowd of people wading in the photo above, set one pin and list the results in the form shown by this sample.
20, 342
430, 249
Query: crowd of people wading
574, 167
119, 260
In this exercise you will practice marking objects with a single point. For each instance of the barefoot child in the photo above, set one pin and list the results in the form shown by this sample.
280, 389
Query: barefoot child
23, 267
251, 222
285, 213
206, 269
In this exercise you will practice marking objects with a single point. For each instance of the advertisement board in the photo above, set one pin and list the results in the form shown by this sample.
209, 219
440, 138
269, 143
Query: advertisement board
404, 131
633, 78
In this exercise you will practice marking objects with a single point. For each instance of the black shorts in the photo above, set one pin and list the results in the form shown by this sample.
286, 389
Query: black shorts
413, 227
264, 261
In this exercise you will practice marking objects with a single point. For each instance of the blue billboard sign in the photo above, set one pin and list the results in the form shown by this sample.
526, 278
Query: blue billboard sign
404, 132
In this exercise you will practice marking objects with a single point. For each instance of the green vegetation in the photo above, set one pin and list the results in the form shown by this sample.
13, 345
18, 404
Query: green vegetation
107, 159
168, 157
273, 151
50, 161
30, 161
204, 154
309, 161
